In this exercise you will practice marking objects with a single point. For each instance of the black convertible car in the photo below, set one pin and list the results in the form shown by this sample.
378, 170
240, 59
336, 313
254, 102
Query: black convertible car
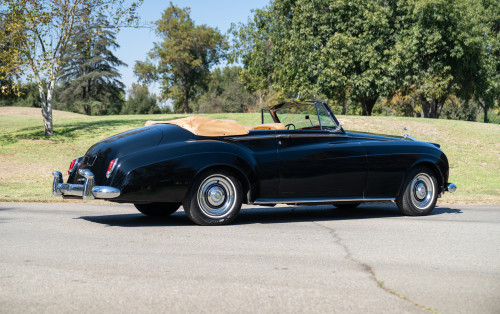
302, 156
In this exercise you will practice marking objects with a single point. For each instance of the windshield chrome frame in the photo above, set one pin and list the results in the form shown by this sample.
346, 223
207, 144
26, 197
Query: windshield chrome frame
272, 111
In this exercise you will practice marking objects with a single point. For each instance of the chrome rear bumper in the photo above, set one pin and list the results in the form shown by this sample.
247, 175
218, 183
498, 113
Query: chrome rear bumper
87, 190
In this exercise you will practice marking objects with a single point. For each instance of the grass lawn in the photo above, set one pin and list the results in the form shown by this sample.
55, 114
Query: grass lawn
27, 158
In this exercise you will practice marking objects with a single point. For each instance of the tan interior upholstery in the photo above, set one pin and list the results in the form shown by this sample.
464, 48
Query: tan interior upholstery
269, 126
204, 126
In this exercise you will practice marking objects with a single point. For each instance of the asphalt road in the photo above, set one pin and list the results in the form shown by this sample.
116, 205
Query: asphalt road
109, 258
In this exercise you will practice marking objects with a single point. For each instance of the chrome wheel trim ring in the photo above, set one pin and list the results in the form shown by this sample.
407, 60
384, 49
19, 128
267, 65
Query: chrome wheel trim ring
216, 196
422, 191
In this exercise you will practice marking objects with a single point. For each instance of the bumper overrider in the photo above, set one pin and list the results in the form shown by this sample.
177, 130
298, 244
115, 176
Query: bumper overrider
451, 188
87, 190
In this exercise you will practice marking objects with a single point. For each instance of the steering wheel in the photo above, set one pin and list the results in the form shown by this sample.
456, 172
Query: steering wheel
290, 125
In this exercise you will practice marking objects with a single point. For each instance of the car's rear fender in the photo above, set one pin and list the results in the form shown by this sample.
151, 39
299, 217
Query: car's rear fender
240, 168
165, 173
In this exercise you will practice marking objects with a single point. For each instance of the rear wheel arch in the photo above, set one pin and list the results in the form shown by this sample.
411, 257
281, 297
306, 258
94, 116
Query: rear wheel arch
237, 172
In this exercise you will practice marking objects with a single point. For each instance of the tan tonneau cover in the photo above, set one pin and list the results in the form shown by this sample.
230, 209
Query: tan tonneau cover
204, 126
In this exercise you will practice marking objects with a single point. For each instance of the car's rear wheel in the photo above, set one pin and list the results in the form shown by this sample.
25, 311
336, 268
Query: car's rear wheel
214, 198
419, 193
346, 205
158, 209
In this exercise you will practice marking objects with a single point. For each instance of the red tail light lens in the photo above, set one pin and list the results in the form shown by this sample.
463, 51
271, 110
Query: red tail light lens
111, 167
71, 166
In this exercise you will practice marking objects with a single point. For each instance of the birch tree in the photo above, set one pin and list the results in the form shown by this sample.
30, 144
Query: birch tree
42, 31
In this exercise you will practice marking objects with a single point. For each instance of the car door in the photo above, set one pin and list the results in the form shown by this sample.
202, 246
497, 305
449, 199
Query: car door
320, 164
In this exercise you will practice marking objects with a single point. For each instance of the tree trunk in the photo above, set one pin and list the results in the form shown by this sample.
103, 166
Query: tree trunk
367, 104
346, 107
485, 108
87, 109
186, 100
426, 107
431, 108
47, 100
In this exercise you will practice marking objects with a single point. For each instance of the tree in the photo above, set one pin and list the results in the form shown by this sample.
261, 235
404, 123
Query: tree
354, 51
140, 101
43, 30
183, 57
10, 59
225, 93
309, 48
252, 45
487, 88
437, 51
89, 73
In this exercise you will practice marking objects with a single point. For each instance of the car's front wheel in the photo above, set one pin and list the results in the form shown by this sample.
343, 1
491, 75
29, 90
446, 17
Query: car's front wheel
158, 209
419, 193
214, 198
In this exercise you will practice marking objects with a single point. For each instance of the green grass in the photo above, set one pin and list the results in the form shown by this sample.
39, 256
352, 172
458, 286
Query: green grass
27, 158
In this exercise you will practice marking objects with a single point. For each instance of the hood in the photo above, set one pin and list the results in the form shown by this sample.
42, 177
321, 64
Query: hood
374, 136
383, 137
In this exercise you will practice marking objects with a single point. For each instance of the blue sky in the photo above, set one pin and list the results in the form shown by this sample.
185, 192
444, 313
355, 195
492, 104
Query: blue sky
136, 43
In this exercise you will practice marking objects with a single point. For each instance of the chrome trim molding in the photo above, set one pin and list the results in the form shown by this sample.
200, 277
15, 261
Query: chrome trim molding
88, 184
317, 200
451, 187
87, 190
58, 179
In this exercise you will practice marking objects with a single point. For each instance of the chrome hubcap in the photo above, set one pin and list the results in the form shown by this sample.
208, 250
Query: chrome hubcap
422, 191
216, 196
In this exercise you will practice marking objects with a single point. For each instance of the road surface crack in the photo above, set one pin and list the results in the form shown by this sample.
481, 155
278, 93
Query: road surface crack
338, 240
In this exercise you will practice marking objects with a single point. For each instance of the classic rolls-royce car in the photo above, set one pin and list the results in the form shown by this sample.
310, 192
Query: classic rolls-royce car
300, 154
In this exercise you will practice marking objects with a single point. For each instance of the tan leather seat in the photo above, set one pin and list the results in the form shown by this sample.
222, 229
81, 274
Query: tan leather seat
269, 126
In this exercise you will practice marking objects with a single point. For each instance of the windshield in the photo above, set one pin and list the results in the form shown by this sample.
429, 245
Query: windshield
301, 116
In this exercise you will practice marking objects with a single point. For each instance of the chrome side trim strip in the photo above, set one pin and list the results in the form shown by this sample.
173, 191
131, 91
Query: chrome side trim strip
254, 137
318, 200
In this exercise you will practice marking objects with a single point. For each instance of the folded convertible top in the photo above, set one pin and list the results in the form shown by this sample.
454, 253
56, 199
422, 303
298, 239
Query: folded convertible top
204, 126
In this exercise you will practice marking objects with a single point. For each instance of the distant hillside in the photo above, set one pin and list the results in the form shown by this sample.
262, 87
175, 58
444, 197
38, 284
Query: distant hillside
32, 112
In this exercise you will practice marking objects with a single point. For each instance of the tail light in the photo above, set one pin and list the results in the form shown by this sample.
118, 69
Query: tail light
111, 167
71, 166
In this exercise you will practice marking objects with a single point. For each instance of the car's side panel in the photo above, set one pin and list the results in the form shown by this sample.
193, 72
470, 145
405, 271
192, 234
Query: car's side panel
390, 161
164, 173
321, 164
